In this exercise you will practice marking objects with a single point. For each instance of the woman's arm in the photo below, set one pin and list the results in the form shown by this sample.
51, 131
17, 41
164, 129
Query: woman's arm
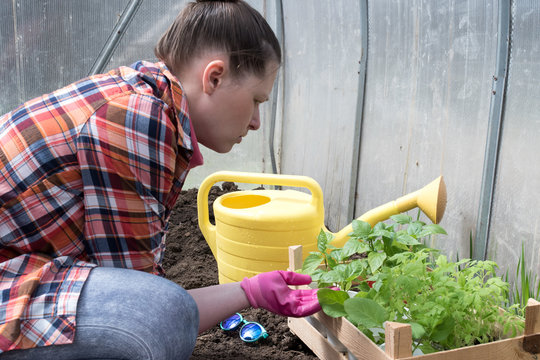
268, 290
218, 302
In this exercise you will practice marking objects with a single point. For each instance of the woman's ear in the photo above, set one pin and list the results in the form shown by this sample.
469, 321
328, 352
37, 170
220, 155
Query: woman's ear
213, 76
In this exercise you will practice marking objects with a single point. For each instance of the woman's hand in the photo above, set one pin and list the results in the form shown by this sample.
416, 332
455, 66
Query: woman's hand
270, 291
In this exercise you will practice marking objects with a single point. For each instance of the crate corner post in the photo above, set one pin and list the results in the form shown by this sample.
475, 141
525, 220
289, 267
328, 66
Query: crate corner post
398, 338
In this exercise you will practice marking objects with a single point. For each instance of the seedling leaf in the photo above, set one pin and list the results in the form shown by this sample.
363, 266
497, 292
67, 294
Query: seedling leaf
323, 240
361, 228
332, 302
401, 219
431, 229
418, 330
311, 262
365, 312
354, 246
375, 260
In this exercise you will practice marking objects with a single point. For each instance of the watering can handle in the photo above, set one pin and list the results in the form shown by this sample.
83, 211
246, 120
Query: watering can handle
209, 231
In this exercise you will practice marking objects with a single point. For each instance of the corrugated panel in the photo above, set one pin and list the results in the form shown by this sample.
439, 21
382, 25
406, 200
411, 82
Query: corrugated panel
56, 42
8, 59
322, 45
430, 67
516, 206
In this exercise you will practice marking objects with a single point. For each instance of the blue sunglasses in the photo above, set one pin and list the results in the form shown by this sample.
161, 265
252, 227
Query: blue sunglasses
249, 332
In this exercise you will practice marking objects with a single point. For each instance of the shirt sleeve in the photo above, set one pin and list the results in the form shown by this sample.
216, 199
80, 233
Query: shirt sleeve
127, 152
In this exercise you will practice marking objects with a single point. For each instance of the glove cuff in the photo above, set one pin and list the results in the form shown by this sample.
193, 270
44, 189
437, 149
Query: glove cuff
246, 285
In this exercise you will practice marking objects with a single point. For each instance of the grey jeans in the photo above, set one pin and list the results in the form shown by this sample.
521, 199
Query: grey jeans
129, 315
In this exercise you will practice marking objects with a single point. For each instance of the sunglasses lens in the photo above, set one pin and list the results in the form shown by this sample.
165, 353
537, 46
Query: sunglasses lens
252, 332
231, 323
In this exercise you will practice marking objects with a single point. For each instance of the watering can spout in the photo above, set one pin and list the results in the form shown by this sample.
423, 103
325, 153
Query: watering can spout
431, 199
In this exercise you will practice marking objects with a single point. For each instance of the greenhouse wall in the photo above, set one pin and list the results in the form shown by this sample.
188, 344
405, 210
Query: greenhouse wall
374, 99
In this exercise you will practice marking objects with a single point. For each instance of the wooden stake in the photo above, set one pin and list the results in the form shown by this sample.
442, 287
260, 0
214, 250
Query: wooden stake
398, 338
295, 257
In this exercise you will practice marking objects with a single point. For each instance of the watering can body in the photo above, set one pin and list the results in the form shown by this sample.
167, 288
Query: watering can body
254, 229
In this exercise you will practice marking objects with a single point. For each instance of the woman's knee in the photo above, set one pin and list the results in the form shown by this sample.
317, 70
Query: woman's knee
150, 312
178, 326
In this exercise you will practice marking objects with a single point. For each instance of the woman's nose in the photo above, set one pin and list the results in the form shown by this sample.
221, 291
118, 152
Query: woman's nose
255, 122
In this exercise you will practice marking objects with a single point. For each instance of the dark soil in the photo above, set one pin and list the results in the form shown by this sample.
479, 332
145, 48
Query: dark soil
189, 262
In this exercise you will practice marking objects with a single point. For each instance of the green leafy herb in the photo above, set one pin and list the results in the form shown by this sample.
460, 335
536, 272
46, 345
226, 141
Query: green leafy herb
396, 277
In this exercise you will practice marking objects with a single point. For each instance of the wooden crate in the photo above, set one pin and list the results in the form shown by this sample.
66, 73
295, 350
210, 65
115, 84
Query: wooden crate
337, 338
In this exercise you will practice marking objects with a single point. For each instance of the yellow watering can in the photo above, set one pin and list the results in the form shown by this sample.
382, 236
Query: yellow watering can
253, 229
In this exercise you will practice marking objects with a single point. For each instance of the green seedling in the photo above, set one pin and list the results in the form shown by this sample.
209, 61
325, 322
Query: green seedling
526, 285
394, 276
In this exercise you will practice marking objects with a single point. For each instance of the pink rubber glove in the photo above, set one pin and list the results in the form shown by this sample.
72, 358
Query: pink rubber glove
270, 291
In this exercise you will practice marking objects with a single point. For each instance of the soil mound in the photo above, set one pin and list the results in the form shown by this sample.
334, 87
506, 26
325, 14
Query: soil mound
189, 262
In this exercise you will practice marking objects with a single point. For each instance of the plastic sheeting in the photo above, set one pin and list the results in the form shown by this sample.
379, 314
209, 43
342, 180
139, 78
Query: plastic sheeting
428, 89
516, 206
426, 106
49, 44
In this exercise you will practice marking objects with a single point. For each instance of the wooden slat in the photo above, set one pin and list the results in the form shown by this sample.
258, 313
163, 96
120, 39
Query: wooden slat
509, 349
314, 339
356, 342
398, 339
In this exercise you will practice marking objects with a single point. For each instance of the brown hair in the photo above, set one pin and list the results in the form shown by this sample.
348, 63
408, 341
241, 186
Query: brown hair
232, 26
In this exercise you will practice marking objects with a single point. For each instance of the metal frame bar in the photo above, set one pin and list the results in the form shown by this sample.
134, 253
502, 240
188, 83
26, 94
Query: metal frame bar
116, 35
496, 115
364, 28
280, 34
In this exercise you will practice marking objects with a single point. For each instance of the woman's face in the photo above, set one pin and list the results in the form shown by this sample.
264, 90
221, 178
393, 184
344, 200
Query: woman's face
232, 109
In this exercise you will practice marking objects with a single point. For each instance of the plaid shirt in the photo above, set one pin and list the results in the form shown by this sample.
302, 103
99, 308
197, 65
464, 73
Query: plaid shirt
88, 177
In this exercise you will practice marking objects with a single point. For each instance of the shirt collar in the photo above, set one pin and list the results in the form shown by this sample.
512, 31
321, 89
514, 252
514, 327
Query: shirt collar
179, 101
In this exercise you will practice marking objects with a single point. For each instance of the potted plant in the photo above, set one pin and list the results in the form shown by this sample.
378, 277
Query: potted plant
387, 274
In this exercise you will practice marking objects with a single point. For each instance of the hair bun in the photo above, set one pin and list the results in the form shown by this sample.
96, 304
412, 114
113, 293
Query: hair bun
224, 1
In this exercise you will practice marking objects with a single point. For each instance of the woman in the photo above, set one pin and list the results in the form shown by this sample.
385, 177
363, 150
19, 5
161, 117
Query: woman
89, 175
